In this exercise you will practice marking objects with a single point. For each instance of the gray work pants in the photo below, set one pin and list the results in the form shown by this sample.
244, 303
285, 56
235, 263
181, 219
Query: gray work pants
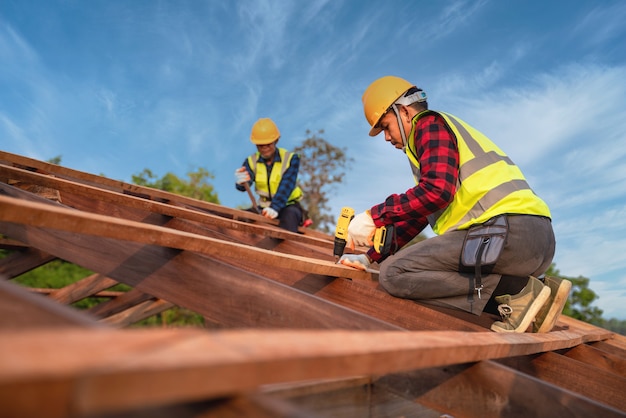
429, 270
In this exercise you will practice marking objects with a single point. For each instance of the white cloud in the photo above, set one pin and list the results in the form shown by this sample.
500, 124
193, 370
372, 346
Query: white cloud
602, 24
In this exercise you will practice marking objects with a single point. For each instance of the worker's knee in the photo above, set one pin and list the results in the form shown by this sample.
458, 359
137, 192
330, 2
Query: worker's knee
395, 282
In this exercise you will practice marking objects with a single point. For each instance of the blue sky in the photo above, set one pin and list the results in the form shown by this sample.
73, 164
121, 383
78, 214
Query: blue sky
114, 87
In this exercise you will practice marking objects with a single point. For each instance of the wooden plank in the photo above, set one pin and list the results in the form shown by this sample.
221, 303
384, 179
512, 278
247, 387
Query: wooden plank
618, 341
106, 183
137, 313
598, 359
101, 294
83, 288
21, 309
359, 401
223, 293
373, 301
20, 262
194, 364
488, 389
102, 182
67, 186
11, 244
238, 235
609, 346
127, 300
591, 382
49, 216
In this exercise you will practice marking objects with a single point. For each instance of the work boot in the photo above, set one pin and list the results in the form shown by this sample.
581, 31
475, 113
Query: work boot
551, 310
518, 311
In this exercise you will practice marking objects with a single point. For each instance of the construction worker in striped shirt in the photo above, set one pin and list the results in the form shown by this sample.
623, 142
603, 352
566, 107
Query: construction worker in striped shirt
274, 173
494, 234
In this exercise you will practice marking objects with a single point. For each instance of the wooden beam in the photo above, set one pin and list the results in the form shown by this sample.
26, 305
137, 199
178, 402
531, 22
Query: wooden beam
102, 182
136, 368
594, 383
488, 389
67, 186
225, 294
83, 288
20, 262
11, 244
127, 300
106, 183
599, 359
615, 345
20, 309
42, 215
101, 294
137, 313
365, 297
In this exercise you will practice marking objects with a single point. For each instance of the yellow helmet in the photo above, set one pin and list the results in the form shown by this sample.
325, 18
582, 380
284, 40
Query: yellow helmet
264, 131
379, 96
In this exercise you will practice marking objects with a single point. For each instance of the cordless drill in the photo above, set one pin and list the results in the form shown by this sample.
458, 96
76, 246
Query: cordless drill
341, 231
384, 237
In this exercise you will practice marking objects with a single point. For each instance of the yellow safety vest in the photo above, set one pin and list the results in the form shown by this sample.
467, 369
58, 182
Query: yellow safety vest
489, 183
267, 186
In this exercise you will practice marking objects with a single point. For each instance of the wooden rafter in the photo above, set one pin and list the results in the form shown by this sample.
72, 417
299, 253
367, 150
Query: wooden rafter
343, 339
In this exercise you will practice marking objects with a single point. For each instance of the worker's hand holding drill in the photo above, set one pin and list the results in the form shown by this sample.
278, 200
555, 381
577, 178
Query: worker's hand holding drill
361, 230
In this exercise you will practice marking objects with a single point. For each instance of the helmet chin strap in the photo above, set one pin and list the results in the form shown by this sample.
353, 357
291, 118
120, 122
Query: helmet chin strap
418, 96
400, 126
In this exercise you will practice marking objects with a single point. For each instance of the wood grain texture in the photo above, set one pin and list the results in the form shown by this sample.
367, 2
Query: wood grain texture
104, 183
115, 198
570, 374
42, 215
166, 366
488, 389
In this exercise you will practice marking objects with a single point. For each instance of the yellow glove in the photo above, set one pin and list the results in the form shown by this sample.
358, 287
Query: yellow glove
357, 261
361, 230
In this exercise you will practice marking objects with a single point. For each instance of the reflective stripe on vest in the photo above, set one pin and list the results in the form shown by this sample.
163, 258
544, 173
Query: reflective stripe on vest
489, 183
261, 180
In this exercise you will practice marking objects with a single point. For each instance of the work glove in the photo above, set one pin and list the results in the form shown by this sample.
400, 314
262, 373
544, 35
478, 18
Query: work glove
357, 261
241, 175
269, 213
361, 230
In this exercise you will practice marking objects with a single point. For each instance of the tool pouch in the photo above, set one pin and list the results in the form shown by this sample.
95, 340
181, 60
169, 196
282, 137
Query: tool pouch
481, 249
483, 244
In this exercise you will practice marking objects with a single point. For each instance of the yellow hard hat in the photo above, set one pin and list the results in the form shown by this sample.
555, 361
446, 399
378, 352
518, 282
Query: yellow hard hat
264, 131
379, 96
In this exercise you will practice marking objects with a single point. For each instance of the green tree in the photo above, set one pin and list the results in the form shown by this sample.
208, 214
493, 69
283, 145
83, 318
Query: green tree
56, 160
322, 167
196, 186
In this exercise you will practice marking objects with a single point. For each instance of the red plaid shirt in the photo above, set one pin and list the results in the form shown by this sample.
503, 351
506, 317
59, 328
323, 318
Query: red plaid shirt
438, 156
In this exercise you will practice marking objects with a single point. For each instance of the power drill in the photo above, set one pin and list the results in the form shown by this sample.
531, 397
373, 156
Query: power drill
341, 231
384, 237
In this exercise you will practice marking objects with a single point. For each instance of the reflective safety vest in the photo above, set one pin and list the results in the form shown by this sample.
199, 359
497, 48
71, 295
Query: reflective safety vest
266, 185
489, 183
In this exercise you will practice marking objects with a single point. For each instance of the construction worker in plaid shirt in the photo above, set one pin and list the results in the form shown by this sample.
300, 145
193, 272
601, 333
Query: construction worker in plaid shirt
463, 181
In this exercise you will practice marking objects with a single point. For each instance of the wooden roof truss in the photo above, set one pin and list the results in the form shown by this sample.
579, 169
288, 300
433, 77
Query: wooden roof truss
287, 331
